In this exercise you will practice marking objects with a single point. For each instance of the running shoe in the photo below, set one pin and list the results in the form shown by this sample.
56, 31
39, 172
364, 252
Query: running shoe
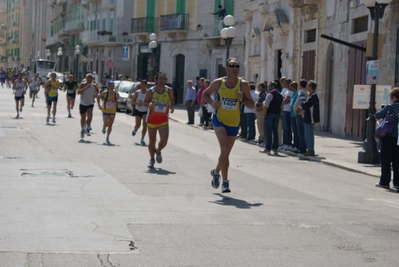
103, 130
142, 142
69, 115
215, 179
82, 133
134, 132
32, 106
48, 119
151, 163
88, 131
225, 187
107, 140
54, 120
17, 116
90, 128
158, 157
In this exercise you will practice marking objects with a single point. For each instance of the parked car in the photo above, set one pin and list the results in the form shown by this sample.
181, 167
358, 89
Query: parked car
123, 88
60, 77
129, 104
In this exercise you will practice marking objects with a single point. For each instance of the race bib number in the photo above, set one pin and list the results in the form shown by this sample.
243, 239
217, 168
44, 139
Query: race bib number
70, 91
229, 103
109, 104
18, 93
160, 108
55, 90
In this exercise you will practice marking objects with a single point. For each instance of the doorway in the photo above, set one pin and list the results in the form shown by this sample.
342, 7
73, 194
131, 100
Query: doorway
180, 59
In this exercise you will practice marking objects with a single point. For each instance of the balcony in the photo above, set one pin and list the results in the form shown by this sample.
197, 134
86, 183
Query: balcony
90, 37
110, 4
53, 40
142, 27
117, 39
61, 2
74, 26
174, 24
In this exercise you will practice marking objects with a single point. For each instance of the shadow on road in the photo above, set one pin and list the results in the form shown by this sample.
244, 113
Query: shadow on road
159, 171
238, 203
86, 142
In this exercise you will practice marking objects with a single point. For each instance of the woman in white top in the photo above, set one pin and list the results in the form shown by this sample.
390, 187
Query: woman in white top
19, 88
140, 111
34, 85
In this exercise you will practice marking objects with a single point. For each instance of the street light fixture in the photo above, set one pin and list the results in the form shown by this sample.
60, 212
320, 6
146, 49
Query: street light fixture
59, 54
48, 54
228, 33
370, 153
77, 53
38, 54
153, 46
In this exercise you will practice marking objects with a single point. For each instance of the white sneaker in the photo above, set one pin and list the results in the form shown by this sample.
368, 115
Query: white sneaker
88, 132
82, 133
47, 120
54, 120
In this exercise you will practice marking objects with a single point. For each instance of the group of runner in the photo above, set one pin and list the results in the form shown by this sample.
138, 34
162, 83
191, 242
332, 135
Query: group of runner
151, 109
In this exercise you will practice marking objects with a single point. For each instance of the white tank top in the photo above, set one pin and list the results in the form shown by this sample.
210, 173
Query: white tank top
20, 88
140, 99
34, 83
87, 97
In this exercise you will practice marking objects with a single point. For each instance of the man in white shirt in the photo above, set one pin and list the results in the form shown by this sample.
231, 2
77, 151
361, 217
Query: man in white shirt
286, 115
87, 91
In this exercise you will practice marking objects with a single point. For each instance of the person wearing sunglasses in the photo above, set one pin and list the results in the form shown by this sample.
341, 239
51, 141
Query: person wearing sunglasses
229, 92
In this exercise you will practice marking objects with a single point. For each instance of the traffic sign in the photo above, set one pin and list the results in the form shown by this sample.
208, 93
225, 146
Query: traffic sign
371, 71
109, 64
361, 96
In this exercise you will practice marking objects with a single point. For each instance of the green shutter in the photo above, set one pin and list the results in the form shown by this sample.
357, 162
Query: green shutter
181, 7
103, 28
229, 6
150, 10
111, 24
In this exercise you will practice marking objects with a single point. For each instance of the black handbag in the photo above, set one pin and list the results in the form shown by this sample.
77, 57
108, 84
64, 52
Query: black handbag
385, 127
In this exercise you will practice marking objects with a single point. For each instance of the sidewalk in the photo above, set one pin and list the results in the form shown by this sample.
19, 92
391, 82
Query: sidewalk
330, 149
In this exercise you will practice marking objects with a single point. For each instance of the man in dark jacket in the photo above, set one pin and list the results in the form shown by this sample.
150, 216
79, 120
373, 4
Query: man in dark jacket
311, 116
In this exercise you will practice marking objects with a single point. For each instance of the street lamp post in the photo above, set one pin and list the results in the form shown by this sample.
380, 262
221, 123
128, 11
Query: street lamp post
48, 54
153, 46
370, 154
228, 33
77, 53
59, 54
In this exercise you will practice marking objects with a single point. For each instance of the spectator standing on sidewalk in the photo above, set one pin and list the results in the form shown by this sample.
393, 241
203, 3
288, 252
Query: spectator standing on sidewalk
301, 99
261, 94
294, 90
191, 96
175, 87
272, 109
250, 113
202, 105
286, 115
389, 144
311, 117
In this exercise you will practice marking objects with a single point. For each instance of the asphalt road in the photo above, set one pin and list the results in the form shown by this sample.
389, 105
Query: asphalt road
71, 202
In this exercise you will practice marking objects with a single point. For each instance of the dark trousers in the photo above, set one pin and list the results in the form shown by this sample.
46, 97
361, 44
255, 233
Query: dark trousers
271, 126
389, 156
287, 134
301, 133
206, 116
295, 131
251, 126
243, 123
190, 111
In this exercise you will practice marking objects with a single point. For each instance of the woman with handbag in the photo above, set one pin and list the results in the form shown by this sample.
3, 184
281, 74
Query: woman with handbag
389, 153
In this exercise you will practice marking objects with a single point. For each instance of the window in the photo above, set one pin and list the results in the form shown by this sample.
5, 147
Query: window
310, 36
360, 24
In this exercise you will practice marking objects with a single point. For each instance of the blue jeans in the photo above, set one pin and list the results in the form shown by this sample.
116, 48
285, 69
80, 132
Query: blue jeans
251, 126
287, 134
301, 133
271, 126
309, 136
295, 132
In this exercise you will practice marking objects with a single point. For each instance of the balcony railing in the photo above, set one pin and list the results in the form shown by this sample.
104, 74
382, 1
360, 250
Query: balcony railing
108, 4
144, 25
74, 26
174, 22
90, 37
116, 38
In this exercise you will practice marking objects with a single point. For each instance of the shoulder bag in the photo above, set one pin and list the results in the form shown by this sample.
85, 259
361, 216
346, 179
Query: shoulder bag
385, 127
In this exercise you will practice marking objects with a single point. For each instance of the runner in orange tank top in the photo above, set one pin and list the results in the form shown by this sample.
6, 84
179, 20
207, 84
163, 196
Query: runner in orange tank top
159, 100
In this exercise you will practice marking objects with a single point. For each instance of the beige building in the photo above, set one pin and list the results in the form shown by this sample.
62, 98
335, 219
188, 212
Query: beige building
3, 29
